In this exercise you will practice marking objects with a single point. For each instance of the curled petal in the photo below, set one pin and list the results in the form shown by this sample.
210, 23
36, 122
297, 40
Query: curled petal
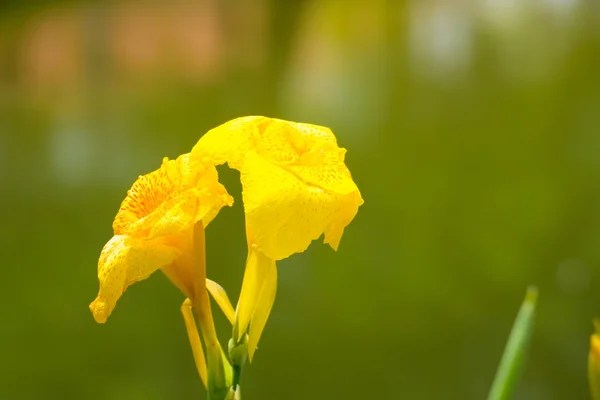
333, 232
168, 200
145, 196
229, 142
284, 214
173, 217
212, 196
124, 261
282, 142
295, 183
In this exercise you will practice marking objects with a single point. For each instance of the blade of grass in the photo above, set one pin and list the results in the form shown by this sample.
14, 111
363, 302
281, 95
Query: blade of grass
515, 350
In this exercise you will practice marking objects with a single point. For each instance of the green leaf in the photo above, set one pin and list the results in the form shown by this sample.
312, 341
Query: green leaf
515, 350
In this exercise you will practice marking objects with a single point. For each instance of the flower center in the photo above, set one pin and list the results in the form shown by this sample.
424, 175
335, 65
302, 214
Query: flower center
146, 195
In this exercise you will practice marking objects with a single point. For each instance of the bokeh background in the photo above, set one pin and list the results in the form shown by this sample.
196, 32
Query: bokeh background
473, 132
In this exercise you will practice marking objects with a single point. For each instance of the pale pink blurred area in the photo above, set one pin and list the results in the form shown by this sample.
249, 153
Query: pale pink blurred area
52, 49
132, 43
138, 42
182, 38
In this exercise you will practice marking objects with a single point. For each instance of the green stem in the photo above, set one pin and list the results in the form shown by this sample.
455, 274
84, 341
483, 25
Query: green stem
514, 353
238, 353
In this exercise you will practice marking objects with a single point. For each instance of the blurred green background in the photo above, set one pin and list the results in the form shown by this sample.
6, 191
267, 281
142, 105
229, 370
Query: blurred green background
473, 132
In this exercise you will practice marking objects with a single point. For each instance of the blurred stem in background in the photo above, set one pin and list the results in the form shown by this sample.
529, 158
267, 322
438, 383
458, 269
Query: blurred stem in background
515, 350
285, 18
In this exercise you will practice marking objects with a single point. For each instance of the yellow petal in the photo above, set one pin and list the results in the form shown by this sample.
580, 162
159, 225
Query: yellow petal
284, 214
181, 275
279, 142
145, 196
286, 165
170, 199
263, 308
173, 217
230, 141
158, 214
195, 343
282, 142
309, 151
333, 232
220, 296
124, 261
180, 213
312, 134
258, 267
212, 195
333, 178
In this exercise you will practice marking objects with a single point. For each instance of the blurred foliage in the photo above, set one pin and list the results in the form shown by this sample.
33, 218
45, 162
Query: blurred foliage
473, 134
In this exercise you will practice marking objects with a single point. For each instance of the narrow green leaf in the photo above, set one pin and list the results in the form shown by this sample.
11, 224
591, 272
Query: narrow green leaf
515, 350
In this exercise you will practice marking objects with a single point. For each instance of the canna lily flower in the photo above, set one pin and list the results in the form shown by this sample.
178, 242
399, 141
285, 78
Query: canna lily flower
594, 362
160, 225
296, 188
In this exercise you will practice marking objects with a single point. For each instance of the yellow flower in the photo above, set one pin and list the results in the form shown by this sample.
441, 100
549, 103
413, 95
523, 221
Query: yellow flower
153, 229
594, 362
160, 225
296, 187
